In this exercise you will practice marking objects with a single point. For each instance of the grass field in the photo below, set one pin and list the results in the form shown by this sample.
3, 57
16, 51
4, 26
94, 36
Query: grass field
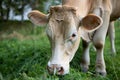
25, 51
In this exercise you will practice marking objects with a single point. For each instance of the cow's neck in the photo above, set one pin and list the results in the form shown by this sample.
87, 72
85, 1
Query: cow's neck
82, 6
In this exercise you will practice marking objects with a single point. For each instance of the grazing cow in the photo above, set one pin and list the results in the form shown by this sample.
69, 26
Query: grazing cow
88, 19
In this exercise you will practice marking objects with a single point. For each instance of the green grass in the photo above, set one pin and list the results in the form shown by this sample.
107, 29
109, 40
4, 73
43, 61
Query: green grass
26, 58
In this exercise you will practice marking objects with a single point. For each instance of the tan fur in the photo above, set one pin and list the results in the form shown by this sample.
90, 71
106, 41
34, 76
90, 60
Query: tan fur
113, 5
115, 10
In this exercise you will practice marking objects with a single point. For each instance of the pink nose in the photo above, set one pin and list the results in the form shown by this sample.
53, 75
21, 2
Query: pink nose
55, 69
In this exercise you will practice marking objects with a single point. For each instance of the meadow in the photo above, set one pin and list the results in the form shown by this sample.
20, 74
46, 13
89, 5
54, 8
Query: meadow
25, 51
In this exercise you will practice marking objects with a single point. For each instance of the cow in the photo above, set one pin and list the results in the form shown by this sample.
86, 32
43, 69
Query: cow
71, 21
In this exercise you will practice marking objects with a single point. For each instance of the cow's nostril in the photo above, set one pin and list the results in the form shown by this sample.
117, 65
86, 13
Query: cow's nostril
55, 69
61, 70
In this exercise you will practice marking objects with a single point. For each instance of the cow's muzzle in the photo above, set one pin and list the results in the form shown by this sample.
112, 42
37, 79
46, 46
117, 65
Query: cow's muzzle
55, 69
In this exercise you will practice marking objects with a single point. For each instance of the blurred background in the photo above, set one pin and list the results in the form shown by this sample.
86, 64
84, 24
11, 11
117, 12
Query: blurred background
18, 9
13, 15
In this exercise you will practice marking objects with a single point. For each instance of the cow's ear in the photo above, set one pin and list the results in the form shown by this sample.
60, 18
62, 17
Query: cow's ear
91, 22
38, 18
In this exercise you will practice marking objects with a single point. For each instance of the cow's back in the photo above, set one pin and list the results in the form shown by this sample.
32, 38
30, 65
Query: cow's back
115, 9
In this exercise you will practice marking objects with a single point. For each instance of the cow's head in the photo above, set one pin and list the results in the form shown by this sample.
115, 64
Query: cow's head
64, 31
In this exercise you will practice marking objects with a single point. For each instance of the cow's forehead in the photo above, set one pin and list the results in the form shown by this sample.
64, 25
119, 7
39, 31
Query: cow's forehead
58, 28
61, 20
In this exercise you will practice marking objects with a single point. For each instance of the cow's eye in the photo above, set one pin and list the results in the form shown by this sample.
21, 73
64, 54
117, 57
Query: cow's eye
73, 35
